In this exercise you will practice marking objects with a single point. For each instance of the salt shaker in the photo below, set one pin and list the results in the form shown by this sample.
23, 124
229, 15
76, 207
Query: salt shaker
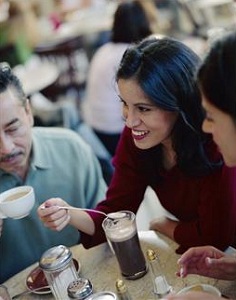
122, 291
160, 285
58, 267
80, 289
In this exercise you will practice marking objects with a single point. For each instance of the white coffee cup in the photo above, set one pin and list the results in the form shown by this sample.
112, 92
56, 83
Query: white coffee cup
17, 203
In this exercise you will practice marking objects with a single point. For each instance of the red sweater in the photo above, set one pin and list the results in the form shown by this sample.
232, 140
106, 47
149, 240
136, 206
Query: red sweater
205, 206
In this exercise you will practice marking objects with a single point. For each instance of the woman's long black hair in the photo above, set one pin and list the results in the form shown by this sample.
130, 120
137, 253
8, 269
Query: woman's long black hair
217, 74
131, 23
165, 70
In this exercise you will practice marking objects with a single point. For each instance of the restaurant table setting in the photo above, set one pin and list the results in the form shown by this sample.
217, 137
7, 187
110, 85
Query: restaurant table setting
100, 266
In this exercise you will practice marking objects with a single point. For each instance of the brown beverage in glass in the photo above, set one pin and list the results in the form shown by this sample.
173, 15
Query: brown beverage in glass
122, 235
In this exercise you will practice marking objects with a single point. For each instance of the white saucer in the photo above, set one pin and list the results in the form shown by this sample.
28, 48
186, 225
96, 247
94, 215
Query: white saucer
201, 288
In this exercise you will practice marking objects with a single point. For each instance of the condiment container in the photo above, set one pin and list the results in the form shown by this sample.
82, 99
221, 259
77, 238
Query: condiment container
160, 284
122, 290
80, 289
58, 267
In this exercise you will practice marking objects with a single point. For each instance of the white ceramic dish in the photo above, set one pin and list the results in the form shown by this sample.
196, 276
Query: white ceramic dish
201, 287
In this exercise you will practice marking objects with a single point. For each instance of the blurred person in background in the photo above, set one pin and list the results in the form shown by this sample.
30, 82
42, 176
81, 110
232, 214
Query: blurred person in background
217, 80
66, 7
54, 161
162, 146
152, 14
20, 31
102, 106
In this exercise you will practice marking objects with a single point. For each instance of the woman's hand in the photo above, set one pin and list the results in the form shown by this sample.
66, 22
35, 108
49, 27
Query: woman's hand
207, 261
57, 218
52, 216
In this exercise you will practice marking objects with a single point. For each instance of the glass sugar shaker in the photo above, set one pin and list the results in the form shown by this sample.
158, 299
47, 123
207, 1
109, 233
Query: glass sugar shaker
59, 270
160, 284
80, 289
122, 290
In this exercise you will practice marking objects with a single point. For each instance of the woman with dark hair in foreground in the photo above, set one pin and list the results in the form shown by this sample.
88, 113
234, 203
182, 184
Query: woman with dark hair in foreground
162, 146
217, 80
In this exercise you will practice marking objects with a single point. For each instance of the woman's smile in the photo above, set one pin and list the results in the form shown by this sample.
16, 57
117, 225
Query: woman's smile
139, 134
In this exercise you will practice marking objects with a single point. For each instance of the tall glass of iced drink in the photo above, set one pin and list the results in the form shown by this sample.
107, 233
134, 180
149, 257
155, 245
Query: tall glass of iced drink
121, 232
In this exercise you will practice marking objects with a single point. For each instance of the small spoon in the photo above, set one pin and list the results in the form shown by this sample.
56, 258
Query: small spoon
30, 291
113, 215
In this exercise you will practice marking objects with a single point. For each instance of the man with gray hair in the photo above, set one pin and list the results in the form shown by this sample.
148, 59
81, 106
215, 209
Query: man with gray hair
55, 161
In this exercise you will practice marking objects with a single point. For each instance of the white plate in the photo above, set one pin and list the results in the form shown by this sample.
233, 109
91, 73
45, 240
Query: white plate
201, 287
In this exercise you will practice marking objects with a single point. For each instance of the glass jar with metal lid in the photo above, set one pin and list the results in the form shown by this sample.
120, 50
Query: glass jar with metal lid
80, 289
122, 290
58, 267
160, 284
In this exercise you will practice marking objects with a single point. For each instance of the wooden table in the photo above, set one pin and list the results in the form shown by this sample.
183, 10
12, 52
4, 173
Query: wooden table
100, 266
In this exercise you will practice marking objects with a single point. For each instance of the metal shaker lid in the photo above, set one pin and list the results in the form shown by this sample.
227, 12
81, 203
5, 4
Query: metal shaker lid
55, 258
151, 255
120, 286
80, 289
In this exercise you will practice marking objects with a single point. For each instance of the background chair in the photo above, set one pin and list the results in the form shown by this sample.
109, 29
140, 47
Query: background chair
71, 60
206, 16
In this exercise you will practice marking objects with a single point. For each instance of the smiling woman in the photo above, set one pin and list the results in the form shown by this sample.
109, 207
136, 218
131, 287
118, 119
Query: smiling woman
163, 146
150, 124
